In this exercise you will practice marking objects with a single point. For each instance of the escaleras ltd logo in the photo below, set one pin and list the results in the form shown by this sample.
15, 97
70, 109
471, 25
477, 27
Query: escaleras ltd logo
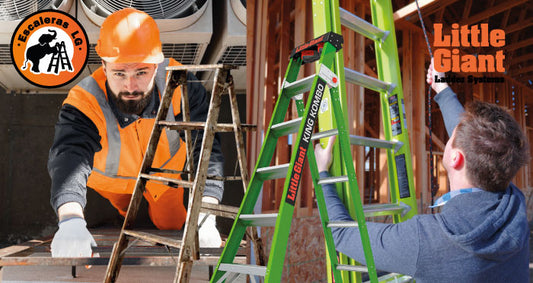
49, 48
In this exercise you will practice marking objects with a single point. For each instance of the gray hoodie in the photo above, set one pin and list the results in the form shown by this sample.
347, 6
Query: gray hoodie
477, 237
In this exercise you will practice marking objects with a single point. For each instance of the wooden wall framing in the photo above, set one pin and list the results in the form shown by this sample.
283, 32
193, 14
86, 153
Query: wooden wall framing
274, 27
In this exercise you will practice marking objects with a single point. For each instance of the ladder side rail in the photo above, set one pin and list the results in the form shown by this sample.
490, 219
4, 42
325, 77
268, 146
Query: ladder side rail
186, 117
254, 187
288, 198
321, 203
117, 254
353, 186
260, 257
327, 18
401, 172
188, 252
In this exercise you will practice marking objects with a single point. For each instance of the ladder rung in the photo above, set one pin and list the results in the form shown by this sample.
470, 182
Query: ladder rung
224, 178
333, 180
361, 26
152, 238
249, 269
382, 209
194, 68
394, 277
354, 268
220, 210
220, 127
299, 86
182, 183
264, 220
273, 172
360, 140
342, 224
372, 142
369, 82
286, 128
325, 134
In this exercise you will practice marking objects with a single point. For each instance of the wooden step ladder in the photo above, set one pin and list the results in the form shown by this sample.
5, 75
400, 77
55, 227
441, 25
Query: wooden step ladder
188, 246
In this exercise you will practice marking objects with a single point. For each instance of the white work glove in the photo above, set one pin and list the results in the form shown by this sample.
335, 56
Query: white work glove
208, 235
72, 239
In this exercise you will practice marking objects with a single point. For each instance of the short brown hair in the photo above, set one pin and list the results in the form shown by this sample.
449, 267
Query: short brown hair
494, 146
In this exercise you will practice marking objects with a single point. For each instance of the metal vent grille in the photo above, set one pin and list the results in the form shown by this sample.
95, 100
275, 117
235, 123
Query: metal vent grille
5, 56
185, 53
16, 10
161, 9
234, 55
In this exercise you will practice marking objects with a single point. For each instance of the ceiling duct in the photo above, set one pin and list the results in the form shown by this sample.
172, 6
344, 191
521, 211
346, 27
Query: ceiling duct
229, 42
11, 13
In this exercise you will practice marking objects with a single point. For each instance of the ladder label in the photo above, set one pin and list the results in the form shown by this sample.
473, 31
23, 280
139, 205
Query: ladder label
330, 77
403, 181
303, 144
395, 121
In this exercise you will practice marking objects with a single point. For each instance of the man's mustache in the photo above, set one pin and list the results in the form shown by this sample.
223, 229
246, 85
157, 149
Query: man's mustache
127, 93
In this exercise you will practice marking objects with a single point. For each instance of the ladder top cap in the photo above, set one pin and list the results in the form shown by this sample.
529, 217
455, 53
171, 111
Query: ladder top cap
201, 67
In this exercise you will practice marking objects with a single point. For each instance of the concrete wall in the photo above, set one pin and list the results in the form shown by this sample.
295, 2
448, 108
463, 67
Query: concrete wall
26, 134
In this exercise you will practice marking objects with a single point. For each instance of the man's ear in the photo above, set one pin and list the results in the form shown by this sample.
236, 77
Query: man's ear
457, 159
104, 67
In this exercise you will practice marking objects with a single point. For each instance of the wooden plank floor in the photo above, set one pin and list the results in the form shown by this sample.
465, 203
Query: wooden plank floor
144, 262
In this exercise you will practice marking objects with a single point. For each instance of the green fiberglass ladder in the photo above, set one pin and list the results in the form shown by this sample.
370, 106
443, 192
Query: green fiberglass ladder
328, 82
327, 17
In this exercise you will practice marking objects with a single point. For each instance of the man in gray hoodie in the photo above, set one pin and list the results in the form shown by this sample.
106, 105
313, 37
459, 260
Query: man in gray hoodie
481, 233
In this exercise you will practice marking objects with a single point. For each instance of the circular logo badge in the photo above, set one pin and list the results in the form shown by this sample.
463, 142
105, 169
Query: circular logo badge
49, 48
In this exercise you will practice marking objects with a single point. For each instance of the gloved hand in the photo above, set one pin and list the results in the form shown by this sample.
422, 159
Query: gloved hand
208, 235
72, 239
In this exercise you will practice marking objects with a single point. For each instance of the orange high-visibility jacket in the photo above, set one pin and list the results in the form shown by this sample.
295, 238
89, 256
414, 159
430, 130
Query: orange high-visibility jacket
117, 164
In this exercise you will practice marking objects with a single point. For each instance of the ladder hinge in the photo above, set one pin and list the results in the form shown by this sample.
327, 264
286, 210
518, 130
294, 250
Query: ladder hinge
310, 51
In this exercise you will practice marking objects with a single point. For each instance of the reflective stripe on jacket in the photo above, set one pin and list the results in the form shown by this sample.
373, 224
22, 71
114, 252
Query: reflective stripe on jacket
117, 165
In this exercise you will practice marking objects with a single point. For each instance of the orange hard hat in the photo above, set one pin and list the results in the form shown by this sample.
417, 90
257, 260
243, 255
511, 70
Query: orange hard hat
129, 36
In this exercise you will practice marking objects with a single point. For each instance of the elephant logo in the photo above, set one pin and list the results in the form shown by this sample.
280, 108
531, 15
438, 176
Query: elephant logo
44, 47
49, 48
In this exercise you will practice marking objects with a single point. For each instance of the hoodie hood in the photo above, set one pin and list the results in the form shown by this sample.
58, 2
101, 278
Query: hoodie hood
496, 224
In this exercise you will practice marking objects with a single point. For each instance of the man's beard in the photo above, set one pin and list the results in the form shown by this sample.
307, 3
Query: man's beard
132, 106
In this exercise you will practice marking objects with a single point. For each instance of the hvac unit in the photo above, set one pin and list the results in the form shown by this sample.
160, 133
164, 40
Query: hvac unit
11, 13
186, 26
229, 42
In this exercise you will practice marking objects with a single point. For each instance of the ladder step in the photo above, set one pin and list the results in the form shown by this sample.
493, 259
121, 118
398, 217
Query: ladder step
219, 127
220, 210
361, 26
254, 270
272, 172
381, 209
224, 178
182, 183
360, 140
369, 82
342, 224
394, 277
354, 268
373, 142
371, 210
264, 220
286, 128
154, 239
333, 180
298, 87
325, 134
